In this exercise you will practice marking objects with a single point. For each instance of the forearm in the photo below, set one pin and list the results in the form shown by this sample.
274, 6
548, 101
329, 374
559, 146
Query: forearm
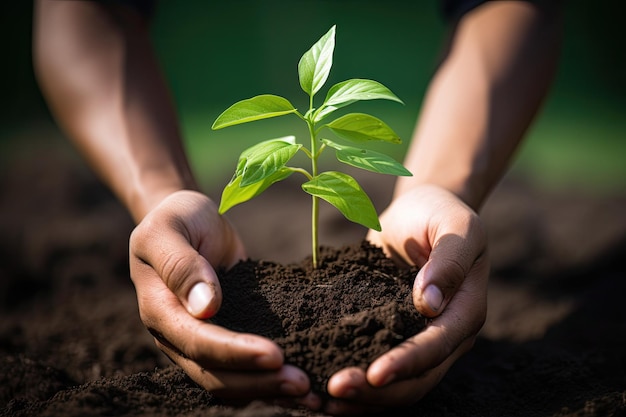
501, 61
98, 72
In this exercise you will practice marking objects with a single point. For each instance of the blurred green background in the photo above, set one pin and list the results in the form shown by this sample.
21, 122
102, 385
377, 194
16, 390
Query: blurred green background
216, 53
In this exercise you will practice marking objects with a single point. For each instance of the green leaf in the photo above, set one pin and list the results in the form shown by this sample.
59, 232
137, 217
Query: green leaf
255, 108
368, 160
264, 159
359, 127
349, 91
234, 193
343, 192
315, 64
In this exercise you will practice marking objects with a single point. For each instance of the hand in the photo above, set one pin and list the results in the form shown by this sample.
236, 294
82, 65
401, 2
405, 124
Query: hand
172, 254
432, 228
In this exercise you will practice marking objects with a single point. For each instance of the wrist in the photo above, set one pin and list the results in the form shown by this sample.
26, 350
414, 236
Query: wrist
469, 186
148, 193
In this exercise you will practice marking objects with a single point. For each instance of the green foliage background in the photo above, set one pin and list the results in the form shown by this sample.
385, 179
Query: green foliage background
216, 53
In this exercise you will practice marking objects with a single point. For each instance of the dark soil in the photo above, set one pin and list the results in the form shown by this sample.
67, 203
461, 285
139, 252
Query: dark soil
72, 344
351, 309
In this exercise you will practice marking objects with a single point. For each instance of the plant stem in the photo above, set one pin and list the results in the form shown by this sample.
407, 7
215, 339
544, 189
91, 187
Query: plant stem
314, 220
301, 171
315, 200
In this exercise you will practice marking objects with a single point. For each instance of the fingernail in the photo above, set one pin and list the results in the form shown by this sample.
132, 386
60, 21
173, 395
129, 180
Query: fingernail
433, 297
199, 298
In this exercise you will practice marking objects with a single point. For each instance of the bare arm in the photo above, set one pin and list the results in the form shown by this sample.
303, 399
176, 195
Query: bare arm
97, 69
500, 63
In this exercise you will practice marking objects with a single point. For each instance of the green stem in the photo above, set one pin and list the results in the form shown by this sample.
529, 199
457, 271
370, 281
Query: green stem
301, 171
315, 200
319, 151
314, 220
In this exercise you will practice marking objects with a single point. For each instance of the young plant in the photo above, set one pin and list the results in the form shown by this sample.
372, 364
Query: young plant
266, 163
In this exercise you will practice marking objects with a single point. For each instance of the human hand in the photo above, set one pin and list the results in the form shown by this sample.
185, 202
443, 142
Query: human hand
173, 252
432, 228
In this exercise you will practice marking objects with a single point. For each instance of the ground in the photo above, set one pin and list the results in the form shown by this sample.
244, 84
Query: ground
71, 342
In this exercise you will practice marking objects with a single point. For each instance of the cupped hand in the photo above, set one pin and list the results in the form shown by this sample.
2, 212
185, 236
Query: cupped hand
432, 228
173, 253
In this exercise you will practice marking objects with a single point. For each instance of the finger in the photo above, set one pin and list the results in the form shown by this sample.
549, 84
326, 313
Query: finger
286, 381
354, 394
166, 250
442, 342
348, 389
218, 348
451, 334
451, 260
210, 345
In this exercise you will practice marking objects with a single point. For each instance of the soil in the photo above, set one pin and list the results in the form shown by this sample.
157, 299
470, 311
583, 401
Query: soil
352, 308
72, 344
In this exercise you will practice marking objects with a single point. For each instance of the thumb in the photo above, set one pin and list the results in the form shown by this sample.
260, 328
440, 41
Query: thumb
448, 265
184, 271
204, 296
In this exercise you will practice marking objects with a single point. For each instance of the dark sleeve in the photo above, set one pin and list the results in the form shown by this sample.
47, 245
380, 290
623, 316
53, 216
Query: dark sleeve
453, 9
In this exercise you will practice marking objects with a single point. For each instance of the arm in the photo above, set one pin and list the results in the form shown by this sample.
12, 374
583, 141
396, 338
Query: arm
98, 72
500, 62
496, 72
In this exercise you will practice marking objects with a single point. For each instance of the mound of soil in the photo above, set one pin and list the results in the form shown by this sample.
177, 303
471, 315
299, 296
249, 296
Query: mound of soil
352, 308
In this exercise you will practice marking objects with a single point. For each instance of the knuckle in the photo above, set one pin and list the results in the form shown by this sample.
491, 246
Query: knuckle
135, 242
175, 269
141, 234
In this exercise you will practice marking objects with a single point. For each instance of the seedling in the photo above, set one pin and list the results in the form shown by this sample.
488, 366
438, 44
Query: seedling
266, 163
